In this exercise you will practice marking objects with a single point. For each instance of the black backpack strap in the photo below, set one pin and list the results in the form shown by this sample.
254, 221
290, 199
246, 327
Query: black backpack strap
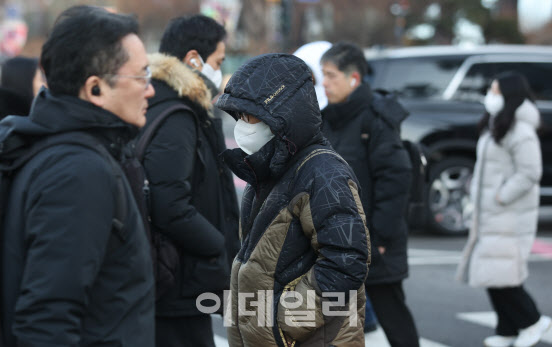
146, 137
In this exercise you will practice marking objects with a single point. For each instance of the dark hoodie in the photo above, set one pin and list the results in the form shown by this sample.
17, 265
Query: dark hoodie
68, 277
370, 142
302, 223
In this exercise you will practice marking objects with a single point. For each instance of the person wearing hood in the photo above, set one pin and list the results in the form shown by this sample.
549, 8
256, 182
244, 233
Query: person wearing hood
298, 277
370, 142
76, 266
505, 196
193, 198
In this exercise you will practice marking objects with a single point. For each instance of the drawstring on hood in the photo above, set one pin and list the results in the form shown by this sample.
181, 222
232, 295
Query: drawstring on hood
289, 144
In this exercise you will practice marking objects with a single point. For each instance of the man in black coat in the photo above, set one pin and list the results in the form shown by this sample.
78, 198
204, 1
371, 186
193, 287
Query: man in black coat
193, 199
76, 262
371, 144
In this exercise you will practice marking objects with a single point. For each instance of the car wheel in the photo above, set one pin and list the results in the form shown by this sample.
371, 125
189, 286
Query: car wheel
448, 196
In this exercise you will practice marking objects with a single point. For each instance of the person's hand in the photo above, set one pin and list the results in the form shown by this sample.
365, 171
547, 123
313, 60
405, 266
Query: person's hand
381, 250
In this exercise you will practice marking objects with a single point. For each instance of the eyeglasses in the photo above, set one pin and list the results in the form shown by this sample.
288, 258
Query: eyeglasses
244, 117
146, 77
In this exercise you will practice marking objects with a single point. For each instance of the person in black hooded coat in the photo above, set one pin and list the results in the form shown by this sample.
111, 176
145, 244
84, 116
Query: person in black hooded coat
371, 144
302, 224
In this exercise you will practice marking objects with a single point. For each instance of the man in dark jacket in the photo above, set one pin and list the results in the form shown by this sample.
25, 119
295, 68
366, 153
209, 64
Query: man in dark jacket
303, 230
193, 199
72, 274
371, 144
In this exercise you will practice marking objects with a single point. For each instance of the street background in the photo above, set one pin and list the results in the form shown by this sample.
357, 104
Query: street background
263, 26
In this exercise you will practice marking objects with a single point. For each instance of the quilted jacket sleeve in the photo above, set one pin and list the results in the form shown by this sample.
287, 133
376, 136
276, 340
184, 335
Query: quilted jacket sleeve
392, 174
332, 217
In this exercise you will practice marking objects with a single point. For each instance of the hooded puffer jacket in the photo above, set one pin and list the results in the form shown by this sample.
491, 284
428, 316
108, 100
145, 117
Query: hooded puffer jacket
505, 196
302, 225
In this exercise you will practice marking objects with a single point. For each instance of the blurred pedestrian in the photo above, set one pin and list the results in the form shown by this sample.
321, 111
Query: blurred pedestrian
311, 54
302, 225
371, 144
21, 80
193, 198
505, 196
76, 267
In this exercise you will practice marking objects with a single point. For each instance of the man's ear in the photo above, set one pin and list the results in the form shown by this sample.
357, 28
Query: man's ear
93, 91
355, 79
192, 60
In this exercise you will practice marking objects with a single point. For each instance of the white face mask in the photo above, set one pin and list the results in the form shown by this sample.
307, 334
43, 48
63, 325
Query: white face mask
493, 103
214, 75
251, 137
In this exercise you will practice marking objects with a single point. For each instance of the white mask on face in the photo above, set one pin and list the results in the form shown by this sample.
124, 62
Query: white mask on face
251, 137
493, 103
214, 75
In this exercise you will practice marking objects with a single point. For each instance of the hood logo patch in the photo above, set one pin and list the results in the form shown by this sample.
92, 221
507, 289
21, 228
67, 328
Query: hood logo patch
269, 99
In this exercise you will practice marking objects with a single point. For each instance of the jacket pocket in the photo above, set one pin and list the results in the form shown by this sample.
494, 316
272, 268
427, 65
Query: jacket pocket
282, 312
300, 318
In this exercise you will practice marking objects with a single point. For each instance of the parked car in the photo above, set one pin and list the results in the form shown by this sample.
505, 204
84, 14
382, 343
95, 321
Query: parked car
443, 88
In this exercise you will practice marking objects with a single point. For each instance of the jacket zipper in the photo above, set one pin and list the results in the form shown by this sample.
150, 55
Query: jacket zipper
289, 287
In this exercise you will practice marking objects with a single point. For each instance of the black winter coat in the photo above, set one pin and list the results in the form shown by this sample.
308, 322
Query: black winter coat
193, 199
302, 222
70, 278
373, 148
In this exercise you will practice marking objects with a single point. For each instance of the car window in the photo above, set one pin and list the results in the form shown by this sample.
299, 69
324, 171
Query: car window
425, 77
479, 77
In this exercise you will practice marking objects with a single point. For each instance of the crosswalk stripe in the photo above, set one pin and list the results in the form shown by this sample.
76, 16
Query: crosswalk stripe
488, 319
438, 257
220, 341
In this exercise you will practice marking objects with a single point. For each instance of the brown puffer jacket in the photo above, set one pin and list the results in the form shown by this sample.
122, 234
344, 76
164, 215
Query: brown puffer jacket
298, 278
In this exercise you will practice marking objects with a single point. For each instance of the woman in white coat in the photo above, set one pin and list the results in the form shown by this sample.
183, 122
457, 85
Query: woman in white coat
505, 196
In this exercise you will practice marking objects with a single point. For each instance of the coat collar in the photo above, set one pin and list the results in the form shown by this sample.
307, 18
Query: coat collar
56, 114
338, 115
180, 78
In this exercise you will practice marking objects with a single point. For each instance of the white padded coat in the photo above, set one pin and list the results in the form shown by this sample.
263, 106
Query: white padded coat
505, 196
